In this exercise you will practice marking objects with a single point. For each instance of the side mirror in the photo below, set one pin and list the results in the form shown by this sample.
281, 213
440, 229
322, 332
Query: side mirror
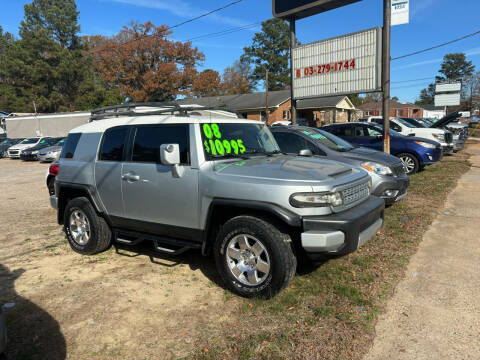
305, 152
170, 154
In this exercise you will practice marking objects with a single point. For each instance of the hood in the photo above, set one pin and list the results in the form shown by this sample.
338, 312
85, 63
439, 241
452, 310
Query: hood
414, 138
285, 168
22, 146
51, 149
446, 119
365, 154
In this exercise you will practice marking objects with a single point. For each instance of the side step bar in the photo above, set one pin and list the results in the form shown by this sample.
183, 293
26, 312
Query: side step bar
161, 244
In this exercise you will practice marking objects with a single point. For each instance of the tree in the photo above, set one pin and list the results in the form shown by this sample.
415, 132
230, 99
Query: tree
471, 91
270, 51
356, 99
427, 96
207, 83
47, 64
455, 67
145, 65
236, 79
395, 98
373, 97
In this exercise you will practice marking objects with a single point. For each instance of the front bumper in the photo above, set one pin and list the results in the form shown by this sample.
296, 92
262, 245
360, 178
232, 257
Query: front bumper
54, 201
15, 154
28, 157
447, 148
392, 189
342, 233
47, 157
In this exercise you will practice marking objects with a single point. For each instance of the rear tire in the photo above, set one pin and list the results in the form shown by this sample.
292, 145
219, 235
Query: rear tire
411, 163
87, 233
253, 257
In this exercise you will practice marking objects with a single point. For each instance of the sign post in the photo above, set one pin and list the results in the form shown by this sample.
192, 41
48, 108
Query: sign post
387, 17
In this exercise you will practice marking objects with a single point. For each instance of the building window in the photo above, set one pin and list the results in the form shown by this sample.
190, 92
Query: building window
286, 114
367, 113
398, 112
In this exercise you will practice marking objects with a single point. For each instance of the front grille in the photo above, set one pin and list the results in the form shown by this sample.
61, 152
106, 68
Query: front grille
14, 152
356, 193
441, 138
398, 170
448, 138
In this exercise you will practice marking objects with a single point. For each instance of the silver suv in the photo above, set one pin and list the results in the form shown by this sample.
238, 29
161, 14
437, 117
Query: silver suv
219, 184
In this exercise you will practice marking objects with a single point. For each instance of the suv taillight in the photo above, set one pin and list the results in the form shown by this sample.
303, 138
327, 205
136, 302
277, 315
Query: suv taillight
53, 169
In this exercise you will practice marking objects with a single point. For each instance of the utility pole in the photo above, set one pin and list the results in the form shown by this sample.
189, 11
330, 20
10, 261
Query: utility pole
266, 97
387, 21
293, 41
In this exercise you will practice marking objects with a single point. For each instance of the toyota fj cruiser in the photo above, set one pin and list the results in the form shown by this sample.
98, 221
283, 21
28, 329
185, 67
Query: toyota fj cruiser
219, 184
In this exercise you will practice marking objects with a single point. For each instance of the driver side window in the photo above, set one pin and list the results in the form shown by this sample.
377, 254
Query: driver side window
372, 132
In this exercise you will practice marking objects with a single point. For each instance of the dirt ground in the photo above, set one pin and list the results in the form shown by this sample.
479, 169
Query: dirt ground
125, 305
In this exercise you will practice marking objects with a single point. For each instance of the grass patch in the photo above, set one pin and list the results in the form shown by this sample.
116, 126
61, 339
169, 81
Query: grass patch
330, 312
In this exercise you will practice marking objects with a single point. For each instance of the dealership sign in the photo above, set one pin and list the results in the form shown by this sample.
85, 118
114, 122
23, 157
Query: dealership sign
400, 12
299, 9
448, 94
343, 65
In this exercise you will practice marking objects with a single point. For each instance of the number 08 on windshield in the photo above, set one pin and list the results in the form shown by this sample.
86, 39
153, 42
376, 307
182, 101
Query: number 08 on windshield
214, 144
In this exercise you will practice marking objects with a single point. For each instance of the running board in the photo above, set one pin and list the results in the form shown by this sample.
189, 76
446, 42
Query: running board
161, 244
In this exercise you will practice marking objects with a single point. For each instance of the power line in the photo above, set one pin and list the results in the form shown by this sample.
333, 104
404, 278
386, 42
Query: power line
225, 32
408, 86
412, 80
437, 46
206, 14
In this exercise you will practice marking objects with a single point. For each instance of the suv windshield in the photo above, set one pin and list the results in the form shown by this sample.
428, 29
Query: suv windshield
30, 141
224, 140
404, 122
331, 141
59, 143
380, 130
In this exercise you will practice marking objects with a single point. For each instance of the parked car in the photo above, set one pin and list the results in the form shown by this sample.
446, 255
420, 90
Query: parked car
221, 186
460, 131
389, 179
406, 128
5, 144
3, 334
15, 150
50, 177
51, 153
31, 154
415, 153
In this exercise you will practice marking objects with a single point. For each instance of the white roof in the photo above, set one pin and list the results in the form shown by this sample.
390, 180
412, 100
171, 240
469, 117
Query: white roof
98, 126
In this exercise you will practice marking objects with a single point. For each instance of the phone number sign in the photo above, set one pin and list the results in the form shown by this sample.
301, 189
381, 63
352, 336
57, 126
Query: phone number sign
348, 64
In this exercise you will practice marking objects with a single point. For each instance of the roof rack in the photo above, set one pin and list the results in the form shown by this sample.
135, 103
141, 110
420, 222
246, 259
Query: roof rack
151, 108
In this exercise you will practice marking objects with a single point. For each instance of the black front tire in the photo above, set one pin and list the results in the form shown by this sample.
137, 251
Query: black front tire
100, 237
411, 163
277, 247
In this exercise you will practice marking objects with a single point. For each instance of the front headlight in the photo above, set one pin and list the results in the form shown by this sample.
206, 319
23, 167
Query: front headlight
301, 200
426, 145
376, 168
35, 152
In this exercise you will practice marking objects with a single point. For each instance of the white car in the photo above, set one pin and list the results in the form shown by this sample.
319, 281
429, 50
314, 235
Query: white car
444, 137
15, 150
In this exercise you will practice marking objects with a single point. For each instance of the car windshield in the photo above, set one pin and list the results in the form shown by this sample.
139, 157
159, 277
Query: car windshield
229, 140
60, 143
415, 122
6, 142
30, 141
404, 122
331, 141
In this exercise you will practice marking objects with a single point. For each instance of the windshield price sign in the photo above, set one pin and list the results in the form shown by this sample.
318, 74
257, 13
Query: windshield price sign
343, 65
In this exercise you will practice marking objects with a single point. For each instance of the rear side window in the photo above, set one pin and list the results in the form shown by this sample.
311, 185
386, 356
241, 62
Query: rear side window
146, 147
113, 144
71, 143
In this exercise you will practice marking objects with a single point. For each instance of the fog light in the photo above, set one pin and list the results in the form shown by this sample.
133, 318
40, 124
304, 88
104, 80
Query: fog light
390, 193
430, 157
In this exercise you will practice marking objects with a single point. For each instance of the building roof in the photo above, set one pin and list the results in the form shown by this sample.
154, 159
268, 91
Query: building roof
241, 102
432, 107
324, 102
377, 105
256, 101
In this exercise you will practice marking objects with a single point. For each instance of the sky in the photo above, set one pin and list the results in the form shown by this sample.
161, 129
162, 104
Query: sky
431, 22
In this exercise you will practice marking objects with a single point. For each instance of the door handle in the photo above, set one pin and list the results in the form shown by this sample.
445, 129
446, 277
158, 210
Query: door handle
130, 177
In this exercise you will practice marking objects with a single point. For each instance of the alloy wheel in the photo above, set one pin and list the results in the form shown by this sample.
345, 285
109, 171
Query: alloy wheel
79, 227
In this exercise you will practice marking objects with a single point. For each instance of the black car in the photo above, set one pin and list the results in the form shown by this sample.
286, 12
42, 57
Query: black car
5, 144
32, 153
